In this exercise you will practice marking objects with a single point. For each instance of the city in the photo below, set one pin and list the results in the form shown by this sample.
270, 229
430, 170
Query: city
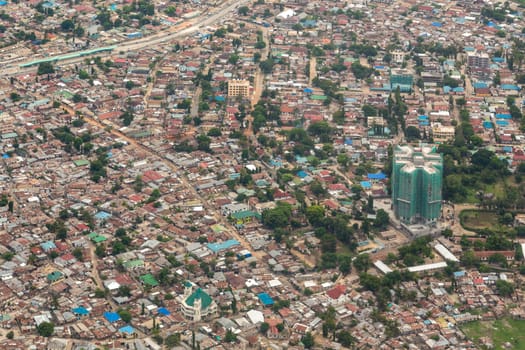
262, 174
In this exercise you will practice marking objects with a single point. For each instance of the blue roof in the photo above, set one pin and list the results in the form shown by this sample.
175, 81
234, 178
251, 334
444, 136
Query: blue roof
5, 156
491, 24
366, 184
498, 59
265, 298
163, 311
308, 90
424, 123
503, 116
300, 159
488, 125
510, 87
3, 3
458, 89
437, 24
446, 89
422, 117
459, 274
507, 149
220, 98
111, 316
479, 85
502, 122
102, 215
48, 245
302, 174
80, 311
217, 247
377, 176
348, 141
127, 329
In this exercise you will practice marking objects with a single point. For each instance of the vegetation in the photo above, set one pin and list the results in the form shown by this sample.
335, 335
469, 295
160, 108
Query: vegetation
499, 331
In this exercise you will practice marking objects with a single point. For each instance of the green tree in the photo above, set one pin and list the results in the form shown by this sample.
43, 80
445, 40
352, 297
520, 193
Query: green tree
125, 315
244, 10
230, 337
315, 215
264, 327
173, 340
45, 68
308, 340
382, 219
46, 329
362, 262
504, 288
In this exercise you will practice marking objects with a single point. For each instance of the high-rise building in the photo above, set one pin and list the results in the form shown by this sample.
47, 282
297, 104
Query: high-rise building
417, 176
238, 88
478, 60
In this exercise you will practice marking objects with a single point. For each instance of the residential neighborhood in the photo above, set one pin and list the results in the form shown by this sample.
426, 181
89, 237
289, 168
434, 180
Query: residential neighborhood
262, 174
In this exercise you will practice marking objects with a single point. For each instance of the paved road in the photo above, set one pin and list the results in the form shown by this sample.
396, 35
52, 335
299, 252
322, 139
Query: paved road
224, 11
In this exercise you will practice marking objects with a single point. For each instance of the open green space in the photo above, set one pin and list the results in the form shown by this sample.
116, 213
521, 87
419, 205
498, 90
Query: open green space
479, 219
499, 331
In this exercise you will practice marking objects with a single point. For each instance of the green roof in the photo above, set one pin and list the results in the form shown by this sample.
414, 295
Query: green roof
246, 214
199, 294
54, 276
133, 263
149, 280
95, 237
318, 97
81, 162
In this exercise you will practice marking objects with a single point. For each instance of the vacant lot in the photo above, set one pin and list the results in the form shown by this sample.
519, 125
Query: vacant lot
500, 331
477, 219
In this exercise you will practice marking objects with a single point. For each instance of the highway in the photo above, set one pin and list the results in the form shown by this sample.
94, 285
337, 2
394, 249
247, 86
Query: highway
223, 12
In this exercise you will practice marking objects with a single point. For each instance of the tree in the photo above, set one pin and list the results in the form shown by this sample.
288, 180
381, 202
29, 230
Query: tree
315, 215
46, 329
345, 264
382, 219
127, 117
362, 262
264, 327
10, 335
214, 132
67, 25
504, 288
230, 337
173, 340
345, 338
244, 10
308, 340
125, 315
412, 133
45, 68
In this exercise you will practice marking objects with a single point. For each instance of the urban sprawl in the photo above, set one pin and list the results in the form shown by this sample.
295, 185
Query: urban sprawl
265, 174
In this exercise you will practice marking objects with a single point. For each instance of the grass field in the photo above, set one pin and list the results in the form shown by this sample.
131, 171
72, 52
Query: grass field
476, 220
500, 331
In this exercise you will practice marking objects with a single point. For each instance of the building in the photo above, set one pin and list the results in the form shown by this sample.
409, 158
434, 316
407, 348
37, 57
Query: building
417, 176
238, 88
197, 305
398, 56
442, 133
402, 79
478, 60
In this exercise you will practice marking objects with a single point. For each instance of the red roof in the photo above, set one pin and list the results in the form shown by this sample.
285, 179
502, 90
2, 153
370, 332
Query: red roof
336, 292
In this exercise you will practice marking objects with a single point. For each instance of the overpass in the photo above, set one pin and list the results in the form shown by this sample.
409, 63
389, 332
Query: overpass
68, 56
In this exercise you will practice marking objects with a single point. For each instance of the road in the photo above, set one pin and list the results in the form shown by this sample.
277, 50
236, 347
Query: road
184, 180
313, 70
221, 13
258, 83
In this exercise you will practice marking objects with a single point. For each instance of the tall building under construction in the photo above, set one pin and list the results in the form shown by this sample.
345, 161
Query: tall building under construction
417, 177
